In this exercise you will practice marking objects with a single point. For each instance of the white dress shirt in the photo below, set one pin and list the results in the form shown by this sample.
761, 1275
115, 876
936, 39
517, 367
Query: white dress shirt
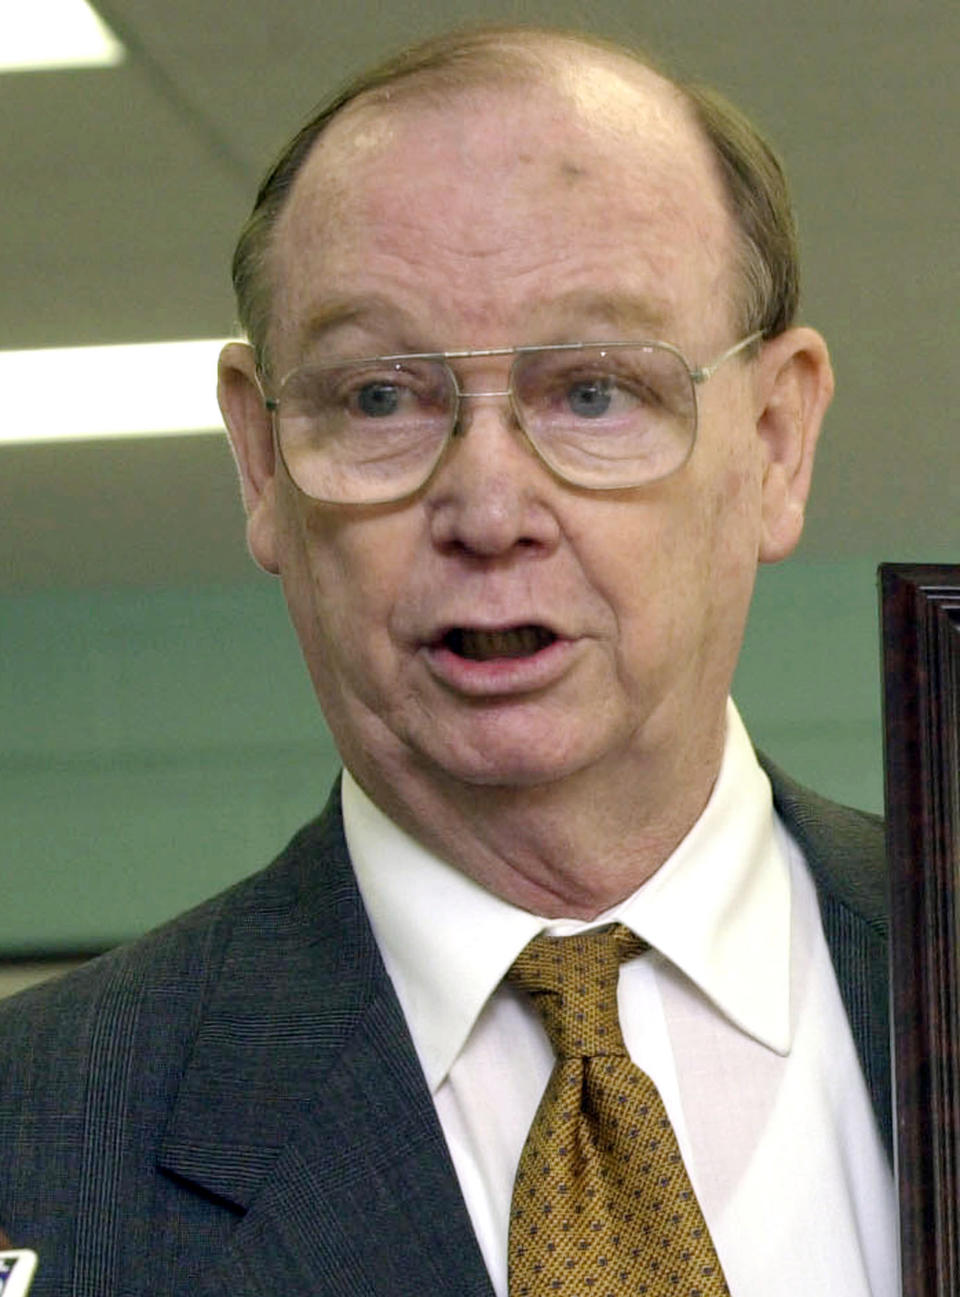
734, 1012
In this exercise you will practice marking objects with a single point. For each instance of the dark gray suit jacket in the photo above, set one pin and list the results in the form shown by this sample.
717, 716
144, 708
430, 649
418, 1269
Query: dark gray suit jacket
232, 1105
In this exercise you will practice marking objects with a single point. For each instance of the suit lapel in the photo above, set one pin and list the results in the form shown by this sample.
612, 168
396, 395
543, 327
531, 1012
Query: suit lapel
845, 852
304, 1105
363, 1200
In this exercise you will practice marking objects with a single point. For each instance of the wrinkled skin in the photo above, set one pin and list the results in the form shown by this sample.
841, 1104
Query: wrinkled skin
585, 208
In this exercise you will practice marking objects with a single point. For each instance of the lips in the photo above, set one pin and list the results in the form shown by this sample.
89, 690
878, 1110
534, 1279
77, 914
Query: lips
485, 645
517, 660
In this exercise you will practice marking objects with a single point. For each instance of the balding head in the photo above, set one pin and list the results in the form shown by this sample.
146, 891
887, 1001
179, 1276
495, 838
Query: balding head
601, 78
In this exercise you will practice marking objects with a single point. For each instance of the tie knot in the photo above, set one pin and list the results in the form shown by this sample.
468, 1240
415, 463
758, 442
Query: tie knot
572, 982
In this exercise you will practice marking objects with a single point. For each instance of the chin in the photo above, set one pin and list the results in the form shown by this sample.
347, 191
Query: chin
521, 775
512, 764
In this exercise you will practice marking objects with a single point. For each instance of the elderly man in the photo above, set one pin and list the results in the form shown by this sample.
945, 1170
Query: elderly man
555, 996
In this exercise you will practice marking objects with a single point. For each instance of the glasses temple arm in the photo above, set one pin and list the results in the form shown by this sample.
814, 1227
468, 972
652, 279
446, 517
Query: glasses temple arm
707, 371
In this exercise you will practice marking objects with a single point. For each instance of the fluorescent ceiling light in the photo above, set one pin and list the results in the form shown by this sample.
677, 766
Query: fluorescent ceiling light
40, 34
85, 393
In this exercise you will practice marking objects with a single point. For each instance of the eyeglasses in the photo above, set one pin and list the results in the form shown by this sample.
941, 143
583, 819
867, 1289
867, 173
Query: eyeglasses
605, 416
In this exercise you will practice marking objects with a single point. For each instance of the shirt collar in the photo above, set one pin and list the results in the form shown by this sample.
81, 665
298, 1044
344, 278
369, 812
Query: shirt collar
718, 909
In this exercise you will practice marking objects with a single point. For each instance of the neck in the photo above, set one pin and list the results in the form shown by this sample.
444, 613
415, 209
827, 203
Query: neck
570, 848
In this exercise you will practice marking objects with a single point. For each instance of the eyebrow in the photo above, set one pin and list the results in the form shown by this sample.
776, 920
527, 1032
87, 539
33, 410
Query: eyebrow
371, 310
551, 320
620, 310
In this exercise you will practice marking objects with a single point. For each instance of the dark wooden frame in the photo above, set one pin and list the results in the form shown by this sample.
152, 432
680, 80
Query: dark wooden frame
920, 616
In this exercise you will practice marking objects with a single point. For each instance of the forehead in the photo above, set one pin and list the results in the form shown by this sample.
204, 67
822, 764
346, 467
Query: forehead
493, 212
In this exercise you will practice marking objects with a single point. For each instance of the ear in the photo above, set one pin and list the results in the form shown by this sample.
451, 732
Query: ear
250, 429
795, 386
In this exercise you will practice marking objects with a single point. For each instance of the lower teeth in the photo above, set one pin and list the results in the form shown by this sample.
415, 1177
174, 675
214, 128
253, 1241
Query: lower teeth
479, 646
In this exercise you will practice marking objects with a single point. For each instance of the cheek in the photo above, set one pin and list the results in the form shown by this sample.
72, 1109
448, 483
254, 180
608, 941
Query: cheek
730, 554
737, 512
681, 582
342, 579
649, 573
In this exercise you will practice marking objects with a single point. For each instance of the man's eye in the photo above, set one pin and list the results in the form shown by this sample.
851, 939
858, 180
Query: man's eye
590, 399
377, 400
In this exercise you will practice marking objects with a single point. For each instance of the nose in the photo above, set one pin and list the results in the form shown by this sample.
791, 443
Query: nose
491, 494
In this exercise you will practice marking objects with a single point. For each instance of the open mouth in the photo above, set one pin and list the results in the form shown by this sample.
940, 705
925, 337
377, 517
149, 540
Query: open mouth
485, 645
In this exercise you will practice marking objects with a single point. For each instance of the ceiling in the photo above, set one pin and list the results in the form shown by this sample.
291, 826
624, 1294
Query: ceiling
123, 190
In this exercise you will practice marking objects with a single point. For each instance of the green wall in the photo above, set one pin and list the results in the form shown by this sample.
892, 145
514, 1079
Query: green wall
156, 746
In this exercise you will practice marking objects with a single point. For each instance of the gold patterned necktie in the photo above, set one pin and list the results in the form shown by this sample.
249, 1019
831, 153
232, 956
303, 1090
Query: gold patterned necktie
602, 1203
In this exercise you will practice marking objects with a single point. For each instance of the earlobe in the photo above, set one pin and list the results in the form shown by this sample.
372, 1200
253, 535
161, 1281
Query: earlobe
796, 388
250, 430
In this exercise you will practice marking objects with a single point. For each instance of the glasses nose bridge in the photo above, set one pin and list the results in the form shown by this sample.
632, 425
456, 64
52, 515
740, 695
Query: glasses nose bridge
475, 395
485, 393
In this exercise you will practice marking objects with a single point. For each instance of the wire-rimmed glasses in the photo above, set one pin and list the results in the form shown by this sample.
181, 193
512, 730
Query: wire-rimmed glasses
604, 416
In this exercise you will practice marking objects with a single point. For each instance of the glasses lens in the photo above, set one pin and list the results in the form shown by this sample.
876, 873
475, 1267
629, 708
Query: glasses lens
608, 416
365, 431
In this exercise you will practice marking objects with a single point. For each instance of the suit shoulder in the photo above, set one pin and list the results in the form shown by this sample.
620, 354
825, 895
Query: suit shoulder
162, 979
845, 848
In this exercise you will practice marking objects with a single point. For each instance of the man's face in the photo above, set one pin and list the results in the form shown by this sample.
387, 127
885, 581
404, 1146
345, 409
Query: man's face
503, 217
